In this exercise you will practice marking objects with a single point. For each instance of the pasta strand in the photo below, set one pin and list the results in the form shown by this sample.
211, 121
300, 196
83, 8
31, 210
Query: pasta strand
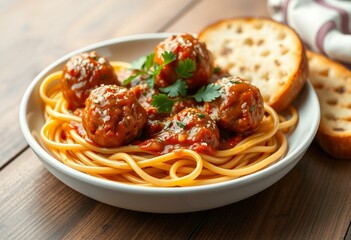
131, 165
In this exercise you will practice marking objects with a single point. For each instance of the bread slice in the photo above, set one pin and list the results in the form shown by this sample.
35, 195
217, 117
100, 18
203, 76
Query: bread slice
268, 54
332, 82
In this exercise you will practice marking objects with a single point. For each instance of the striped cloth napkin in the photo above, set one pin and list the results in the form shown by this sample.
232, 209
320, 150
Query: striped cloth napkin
324, 25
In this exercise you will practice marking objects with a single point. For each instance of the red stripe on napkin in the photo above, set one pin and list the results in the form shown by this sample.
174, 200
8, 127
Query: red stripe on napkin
344, 16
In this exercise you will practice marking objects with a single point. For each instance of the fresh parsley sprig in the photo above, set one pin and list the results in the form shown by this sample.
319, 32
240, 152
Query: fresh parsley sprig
145, 66
164, 102
185, 68
207, 93
176, 89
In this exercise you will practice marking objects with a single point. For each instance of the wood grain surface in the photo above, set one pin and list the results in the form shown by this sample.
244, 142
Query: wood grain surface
313, 201
36, 33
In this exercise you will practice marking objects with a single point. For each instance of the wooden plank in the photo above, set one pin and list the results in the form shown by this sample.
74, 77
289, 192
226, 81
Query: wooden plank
36, 33
208, 12
312, 202
35, 205
348, 234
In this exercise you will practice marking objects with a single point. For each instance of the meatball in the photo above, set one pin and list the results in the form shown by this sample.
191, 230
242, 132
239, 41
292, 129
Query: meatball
190, 128
112, 116
240, 108
183, 104
184, 46
81, 74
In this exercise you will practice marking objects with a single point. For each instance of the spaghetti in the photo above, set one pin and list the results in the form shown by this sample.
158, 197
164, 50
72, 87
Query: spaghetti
182, 167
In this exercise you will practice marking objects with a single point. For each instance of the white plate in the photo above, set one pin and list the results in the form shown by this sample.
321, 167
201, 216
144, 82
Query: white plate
159, 199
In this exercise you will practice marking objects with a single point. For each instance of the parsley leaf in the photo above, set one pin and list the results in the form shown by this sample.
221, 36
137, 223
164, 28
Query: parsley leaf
201, 115
208, 93
176, 89
130, 79
149, 60
168, 57
234, 82
216, 70
140, 66
185, 68
147, 67
162, 103
167, 125
143, 63
139, 63
150, 81
180, 124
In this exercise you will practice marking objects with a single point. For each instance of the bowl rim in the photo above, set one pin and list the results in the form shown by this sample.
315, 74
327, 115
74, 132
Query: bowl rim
43, 155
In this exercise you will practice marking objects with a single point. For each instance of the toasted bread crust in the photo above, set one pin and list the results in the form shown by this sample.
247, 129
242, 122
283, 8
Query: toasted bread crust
268, 54
336, 146
332, 82
294, 85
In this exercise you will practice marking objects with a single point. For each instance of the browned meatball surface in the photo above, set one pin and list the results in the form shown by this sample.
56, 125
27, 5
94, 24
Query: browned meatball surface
112, 116
239, 109
190, 128
81, 74
184, 46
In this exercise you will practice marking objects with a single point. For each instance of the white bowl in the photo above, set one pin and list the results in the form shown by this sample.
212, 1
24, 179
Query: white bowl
160, 199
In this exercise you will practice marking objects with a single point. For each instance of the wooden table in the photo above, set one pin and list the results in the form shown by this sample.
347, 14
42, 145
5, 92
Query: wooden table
312, 202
